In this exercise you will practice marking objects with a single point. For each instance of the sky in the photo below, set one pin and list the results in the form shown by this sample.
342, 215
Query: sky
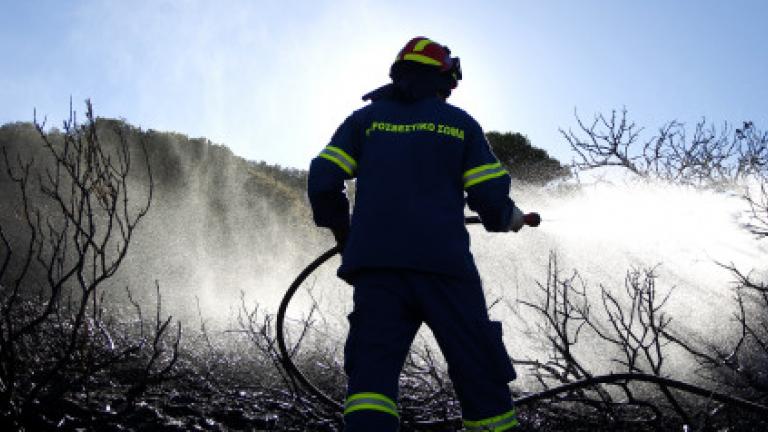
273, 79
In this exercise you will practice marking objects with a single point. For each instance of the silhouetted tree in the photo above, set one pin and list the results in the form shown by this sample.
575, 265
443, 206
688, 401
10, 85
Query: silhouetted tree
706, 156
78, 215
523, 161
710, 157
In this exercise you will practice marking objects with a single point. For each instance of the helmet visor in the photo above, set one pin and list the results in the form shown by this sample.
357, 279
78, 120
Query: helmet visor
455, 69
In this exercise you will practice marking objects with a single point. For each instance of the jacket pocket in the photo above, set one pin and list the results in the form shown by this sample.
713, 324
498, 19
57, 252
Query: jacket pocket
351, 349
497, 352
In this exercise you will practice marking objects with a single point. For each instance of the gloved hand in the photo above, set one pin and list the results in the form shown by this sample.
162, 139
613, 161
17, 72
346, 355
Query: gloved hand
341, 234
517, 220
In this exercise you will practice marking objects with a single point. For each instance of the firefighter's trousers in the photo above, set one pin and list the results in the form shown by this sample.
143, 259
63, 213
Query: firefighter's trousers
389, 307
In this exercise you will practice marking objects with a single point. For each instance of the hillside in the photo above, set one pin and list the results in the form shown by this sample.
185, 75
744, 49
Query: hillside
213, 217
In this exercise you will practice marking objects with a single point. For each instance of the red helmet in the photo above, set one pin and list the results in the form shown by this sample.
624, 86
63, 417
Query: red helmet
425, 51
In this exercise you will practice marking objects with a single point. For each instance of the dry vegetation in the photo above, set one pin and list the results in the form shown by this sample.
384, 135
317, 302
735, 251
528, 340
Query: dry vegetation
58, 335
74, 358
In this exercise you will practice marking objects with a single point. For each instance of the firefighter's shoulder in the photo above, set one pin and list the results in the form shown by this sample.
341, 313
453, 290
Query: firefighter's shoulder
463, 119
459, 113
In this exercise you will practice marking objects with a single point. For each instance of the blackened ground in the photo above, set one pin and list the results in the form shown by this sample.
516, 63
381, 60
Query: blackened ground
196, 403
218, 389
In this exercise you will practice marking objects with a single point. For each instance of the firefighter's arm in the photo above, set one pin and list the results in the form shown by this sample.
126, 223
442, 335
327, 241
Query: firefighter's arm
327, 173
487, 185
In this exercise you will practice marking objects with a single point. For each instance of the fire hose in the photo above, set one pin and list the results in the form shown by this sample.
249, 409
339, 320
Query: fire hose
530, 219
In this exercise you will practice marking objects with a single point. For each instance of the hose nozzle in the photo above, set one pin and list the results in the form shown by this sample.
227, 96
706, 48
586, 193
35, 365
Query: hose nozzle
532, 219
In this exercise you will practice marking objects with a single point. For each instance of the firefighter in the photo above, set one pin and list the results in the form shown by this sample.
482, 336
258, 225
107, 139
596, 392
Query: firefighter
416, 160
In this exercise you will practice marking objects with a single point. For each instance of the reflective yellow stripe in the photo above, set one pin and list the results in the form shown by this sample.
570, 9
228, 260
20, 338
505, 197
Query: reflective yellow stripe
340, 158
421, 59
370, 407
343, 154
420, 45
337, 162
476, 170
481, 179
483, 173
370, 401
499, 423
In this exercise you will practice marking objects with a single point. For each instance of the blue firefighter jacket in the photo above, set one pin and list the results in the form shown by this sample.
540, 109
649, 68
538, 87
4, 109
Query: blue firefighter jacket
415, 164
